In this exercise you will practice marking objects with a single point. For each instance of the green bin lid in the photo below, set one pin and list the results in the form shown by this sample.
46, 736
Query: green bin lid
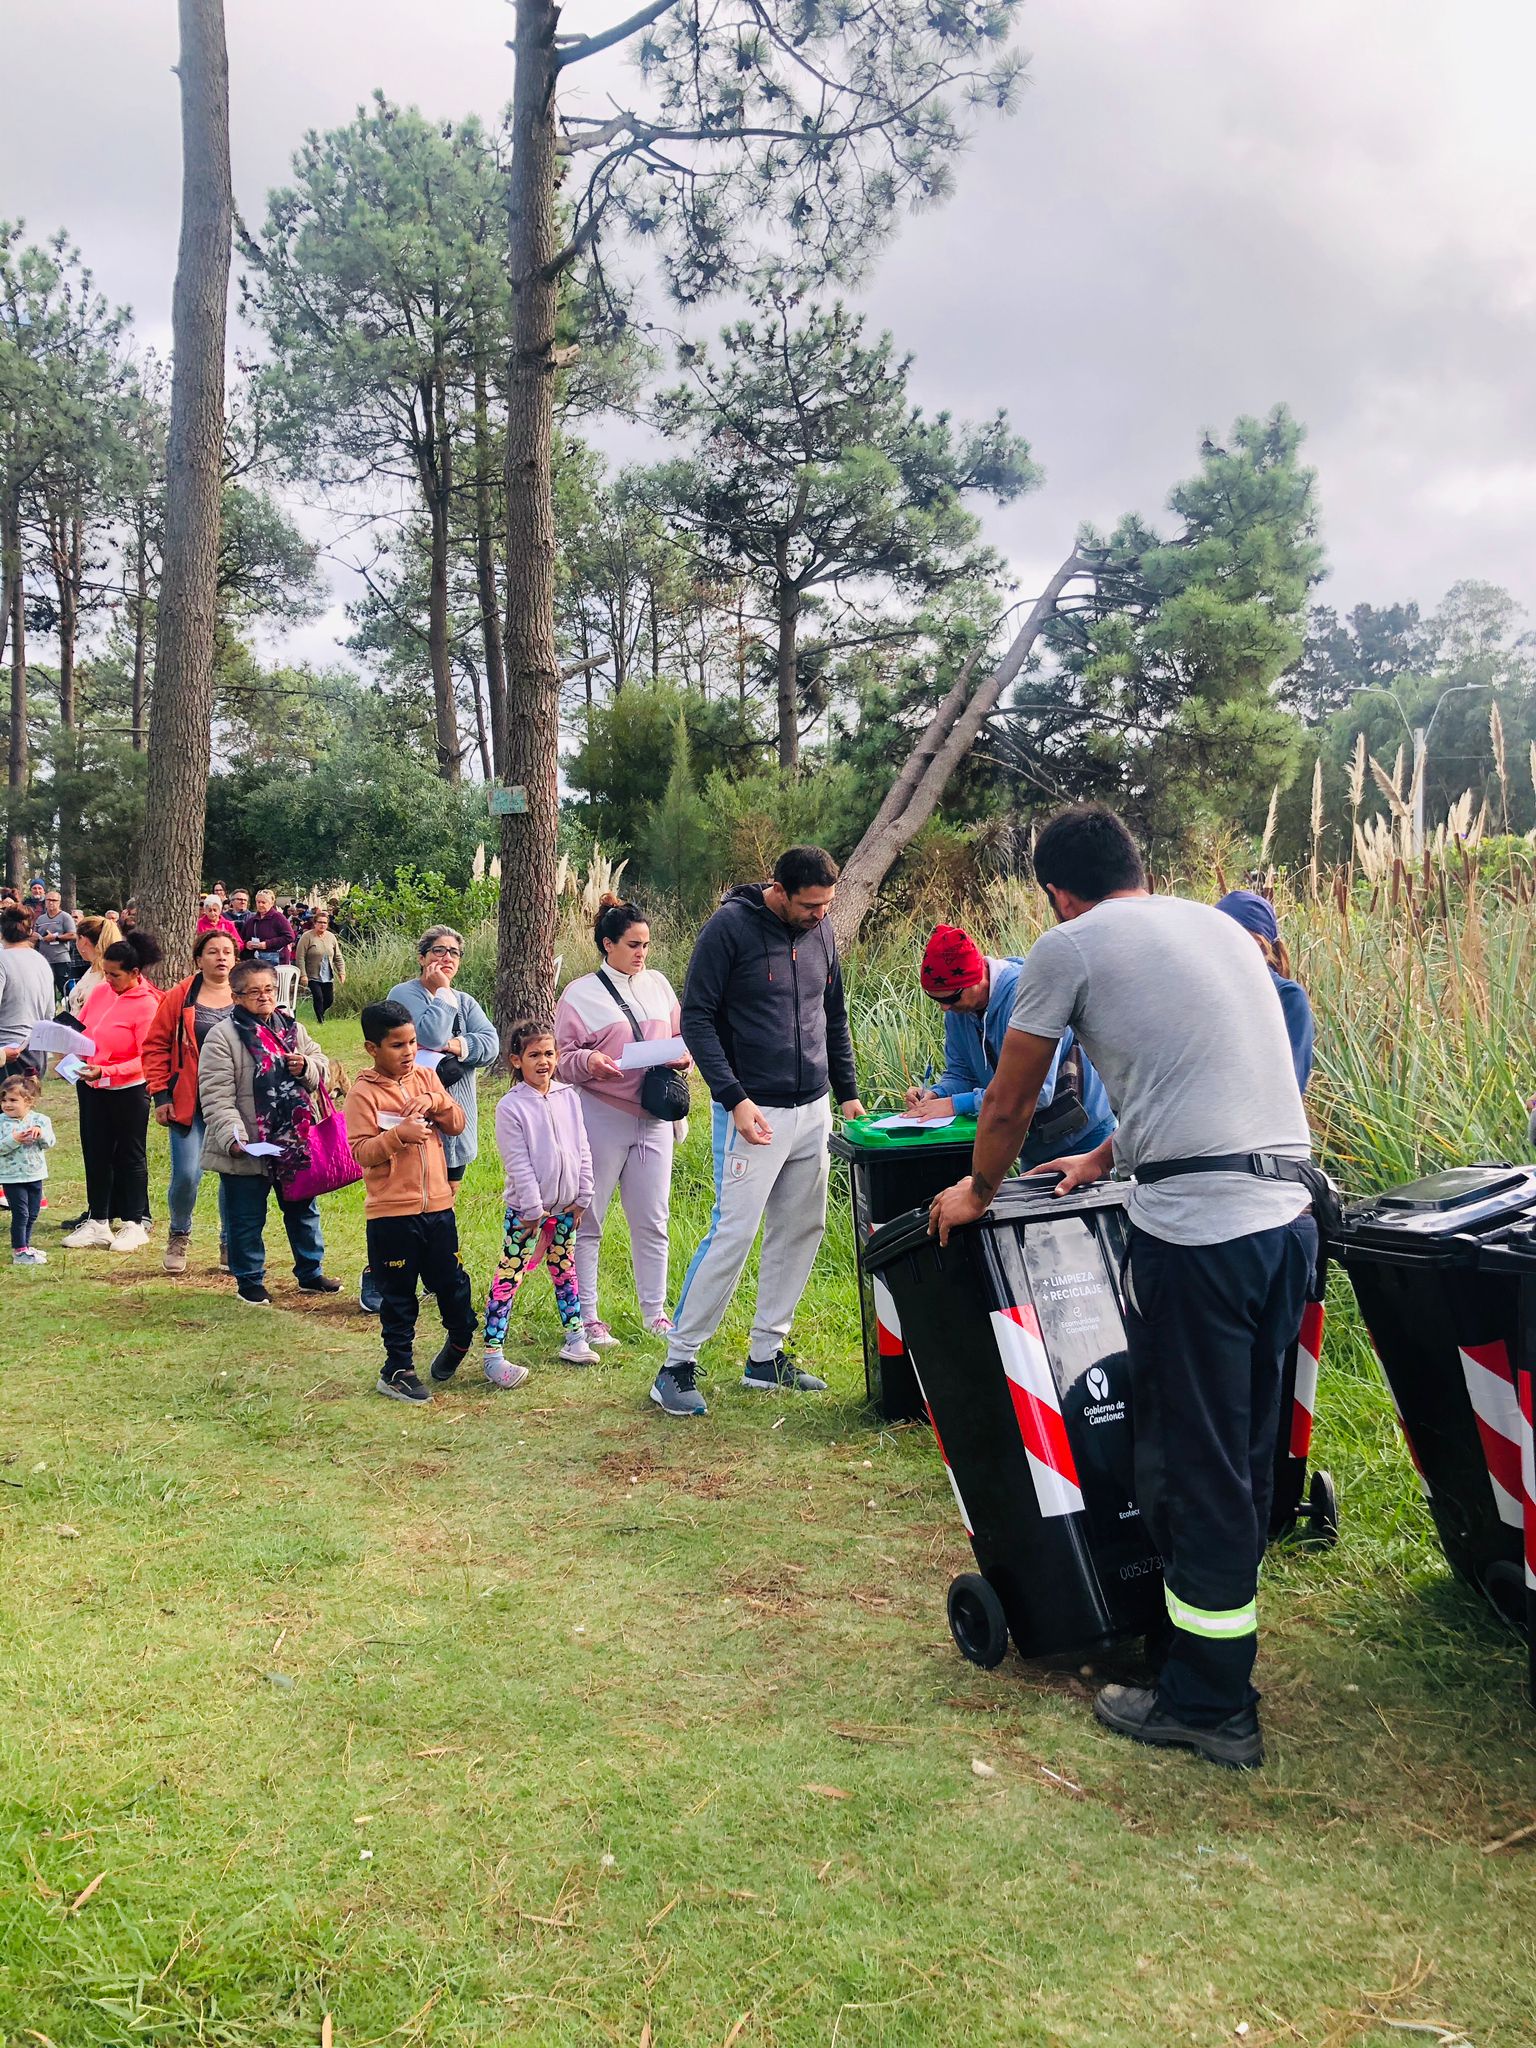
860, 1135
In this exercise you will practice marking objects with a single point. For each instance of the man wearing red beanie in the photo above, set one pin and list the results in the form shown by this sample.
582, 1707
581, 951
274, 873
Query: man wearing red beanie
976, 995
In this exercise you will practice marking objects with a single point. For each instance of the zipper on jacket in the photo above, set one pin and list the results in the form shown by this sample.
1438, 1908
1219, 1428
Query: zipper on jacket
794, 968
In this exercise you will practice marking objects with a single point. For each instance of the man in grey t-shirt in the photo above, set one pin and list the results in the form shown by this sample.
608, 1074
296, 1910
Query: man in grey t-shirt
54, 931
1181, 1019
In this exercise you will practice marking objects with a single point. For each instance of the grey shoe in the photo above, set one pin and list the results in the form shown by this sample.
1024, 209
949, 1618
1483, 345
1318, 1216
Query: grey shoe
781, 1374
1132, 1710
403, 1386
675, 1391
176, 1246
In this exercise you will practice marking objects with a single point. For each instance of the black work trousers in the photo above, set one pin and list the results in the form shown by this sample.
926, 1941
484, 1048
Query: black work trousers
114, 1129
1207, 1330
322, 994
403, 1250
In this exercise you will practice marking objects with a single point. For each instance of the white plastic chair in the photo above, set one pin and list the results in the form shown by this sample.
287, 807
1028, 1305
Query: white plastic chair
287, 987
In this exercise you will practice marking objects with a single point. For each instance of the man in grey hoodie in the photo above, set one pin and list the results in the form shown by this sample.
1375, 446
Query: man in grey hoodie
764, 1018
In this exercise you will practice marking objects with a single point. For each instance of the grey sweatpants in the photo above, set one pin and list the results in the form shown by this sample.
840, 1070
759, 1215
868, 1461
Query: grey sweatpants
783, 1187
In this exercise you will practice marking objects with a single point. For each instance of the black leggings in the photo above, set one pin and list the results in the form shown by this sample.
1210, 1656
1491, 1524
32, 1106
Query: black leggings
114, 1128
322, 994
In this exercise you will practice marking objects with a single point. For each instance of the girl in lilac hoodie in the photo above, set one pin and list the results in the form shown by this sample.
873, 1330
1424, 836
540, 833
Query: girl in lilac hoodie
543, 1146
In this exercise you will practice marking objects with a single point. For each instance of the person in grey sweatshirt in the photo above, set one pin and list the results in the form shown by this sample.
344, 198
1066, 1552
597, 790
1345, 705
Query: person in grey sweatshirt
765, 1019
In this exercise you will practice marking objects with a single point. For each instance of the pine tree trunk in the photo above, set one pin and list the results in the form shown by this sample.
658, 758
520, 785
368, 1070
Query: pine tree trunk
67, 549
948, 737
439, 651
485, 573
140, 633
17, 765
788, 603
181, 711
525, 977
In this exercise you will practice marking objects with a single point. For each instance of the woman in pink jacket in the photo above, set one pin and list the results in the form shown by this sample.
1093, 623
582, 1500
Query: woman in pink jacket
543, 1146
631, 1151
114, 1102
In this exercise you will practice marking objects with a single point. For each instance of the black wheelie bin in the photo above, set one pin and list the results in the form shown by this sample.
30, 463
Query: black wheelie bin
1015, 1337
1437, 1269
1512, 1254
891, 1173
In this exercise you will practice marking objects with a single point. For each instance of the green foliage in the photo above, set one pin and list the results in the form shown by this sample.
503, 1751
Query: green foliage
414, 898
364, 810
753, 817
682, 854
1161, 701
618, 765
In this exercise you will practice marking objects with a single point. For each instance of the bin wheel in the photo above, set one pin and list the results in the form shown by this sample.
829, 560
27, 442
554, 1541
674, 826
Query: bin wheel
976, 1620
1323, 1508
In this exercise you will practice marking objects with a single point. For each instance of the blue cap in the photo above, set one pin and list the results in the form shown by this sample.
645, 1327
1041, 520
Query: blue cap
1255, 913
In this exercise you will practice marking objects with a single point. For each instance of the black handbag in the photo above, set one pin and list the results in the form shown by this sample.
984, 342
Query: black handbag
663, 1090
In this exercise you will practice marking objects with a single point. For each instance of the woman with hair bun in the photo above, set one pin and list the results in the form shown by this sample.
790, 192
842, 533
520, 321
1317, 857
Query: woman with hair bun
599, 1015
114, 1100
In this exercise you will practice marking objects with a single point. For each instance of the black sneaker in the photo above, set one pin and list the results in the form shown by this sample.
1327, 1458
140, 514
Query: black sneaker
253, 1294
321, 1283
676, 1390
448, 1361
403, 1386
369, 1298
780, 1373
1132, 1710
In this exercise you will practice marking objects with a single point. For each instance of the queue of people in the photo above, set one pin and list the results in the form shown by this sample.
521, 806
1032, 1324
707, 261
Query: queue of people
1151, 1033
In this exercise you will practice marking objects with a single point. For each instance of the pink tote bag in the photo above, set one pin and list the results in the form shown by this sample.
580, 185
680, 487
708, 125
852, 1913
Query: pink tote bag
331, 1165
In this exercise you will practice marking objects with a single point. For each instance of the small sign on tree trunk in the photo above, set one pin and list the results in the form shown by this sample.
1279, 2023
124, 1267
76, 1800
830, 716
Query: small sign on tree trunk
508, 800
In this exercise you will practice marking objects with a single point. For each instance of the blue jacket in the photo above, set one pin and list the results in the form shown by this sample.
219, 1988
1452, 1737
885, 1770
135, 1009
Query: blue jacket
1298, 1025
973, 1045
435, 1024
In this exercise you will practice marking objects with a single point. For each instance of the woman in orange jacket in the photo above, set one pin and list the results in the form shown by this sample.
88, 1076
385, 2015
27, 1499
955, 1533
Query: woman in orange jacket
186, 1015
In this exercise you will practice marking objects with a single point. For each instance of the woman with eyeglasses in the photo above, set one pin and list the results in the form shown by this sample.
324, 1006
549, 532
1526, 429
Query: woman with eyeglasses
257, 1074
452, 1024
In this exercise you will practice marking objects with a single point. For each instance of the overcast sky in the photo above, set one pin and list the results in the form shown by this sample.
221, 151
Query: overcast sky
1199, 209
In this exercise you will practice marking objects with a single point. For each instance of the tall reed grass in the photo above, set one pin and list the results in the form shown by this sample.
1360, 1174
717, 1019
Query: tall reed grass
1424, 988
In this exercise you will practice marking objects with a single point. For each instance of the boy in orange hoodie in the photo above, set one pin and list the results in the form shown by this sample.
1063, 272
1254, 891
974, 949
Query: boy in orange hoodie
396, 1112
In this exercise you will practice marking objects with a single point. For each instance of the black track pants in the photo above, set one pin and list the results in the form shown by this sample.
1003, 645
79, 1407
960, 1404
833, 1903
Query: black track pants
403, 1250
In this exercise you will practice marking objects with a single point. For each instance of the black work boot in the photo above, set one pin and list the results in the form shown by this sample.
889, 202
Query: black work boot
1132, 1710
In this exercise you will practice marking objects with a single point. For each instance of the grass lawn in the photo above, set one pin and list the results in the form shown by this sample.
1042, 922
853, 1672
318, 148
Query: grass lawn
535, 1717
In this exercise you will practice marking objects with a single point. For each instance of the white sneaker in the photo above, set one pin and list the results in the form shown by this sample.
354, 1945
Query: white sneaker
577, 1351
29, 1257
661, 1326
92, 1236
502, 1371
132, 1237
600, 1337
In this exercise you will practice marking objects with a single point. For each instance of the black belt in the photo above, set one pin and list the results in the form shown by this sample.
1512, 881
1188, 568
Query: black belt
1263, 1165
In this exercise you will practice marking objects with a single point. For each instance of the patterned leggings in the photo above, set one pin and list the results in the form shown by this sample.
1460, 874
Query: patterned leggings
527, 1247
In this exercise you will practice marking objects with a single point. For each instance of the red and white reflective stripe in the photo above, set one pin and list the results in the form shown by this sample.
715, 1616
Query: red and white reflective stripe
1309, 1349
887, 1323
1526, 1382
1491, 1390
1037, 1409
954, 1484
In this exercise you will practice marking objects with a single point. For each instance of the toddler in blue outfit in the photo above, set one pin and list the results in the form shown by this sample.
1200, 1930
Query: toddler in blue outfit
25, 1135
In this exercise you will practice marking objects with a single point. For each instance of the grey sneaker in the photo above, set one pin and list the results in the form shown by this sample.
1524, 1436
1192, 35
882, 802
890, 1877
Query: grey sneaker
403, 1386
176, 1245
675, 1391
779, 1374
1132, 1710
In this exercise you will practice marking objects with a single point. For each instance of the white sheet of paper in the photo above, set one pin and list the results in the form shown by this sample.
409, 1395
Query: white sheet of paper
259, 1149
427, 1059
652, 1052
50, 1037
912, 1123
69, 1067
